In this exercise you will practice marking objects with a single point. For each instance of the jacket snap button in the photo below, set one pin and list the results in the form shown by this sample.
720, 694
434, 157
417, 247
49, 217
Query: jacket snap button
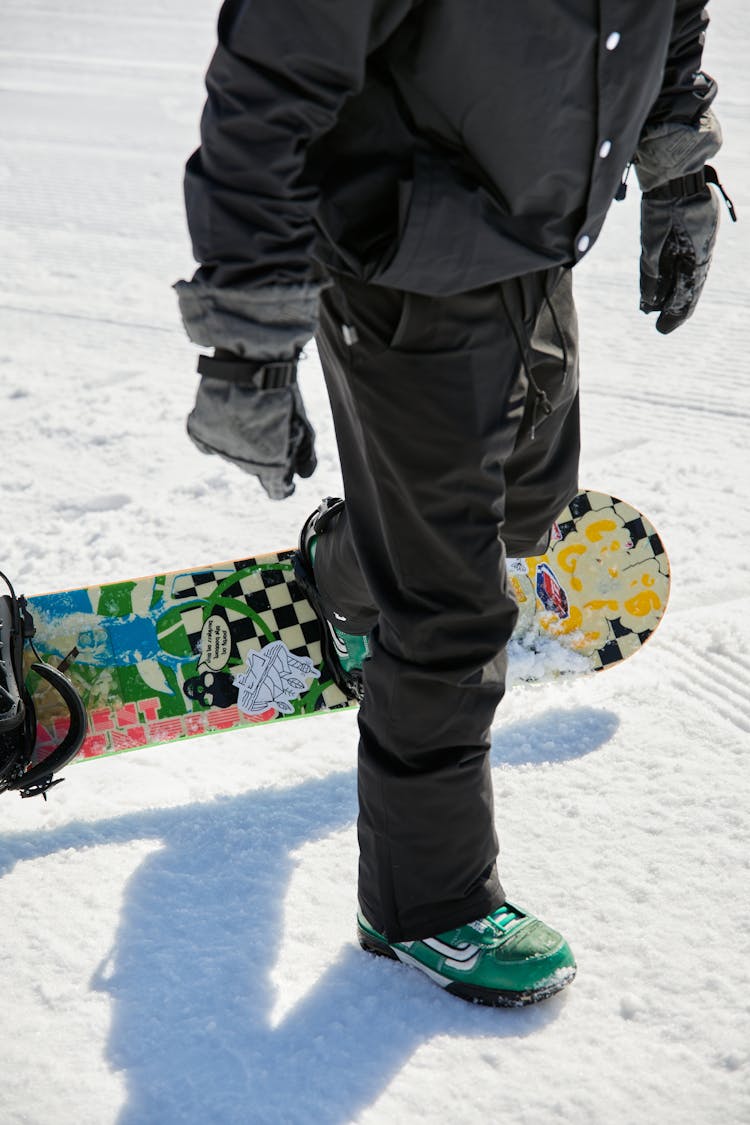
583, 243
612, 40
605, 149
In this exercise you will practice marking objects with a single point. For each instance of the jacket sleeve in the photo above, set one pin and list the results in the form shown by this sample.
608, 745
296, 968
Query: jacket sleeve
686, 91
278, 80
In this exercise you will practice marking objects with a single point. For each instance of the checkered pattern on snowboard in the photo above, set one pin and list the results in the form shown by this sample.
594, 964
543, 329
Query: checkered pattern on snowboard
267, 586
270, 590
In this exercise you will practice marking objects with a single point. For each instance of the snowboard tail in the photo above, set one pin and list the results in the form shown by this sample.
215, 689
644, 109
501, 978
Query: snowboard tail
173, 656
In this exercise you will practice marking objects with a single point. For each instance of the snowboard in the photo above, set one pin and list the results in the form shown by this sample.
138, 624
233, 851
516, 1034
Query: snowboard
233, 644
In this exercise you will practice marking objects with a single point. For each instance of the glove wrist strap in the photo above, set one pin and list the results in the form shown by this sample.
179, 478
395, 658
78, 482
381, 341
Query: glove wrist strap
680, 188
693, 184
247, 372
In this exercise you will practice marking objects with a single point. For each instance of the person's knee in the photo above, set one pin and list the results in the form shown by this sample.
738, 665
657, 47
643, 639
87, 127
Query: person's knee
464, 638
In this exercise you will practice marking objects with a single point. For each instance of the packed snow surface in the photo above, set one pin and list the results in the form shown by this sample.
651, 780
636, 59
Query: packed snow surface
177, 924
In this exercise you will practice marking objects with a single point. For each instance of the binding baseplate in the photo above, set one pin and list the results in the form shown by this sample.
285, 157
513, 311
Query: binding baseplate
18, 770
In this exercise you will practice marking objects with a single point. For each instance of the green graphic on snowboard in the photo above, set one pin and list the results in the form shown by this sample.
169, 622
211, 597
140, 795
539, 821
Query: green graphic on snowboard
156, 659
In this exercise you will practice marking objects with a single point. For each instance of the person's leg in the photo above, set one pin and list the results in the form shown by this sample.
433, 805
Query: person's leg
427, 404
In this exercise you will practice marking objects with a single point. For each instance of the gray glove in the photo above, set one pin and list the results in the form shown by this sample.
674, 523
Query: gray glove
679, 217
678, 232
251, 413
248, 408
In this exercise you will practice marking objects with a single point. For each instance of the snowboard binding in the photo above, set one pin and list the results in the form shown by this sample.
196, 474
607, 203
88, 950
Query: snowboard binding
18, 727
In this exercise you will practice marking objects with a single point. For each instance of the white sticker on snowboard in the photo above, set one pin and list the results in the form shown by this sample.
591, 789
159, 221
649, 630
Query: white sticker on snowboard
273, 678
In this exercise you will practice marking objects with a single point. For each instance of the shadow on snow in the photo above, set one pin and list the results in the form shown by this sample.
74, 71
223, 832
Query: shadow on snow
189, 972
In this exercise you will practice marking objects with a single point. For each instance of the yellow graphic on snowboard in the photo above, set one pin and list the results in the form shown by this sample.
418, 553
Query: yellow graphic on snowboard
602, 586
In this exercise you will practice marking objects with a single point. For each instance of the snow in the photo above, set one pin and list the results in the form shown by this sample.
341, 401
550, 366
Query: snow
176, 925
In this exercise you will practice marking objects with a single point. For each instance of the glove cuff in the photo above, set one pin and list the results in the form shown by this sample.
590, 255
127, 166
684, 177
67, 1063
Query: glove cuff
247, 372
259, 324
671, 151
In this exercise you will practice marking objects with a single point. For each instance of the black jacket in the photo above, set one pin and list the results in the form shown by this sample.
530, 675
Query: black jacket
431, 145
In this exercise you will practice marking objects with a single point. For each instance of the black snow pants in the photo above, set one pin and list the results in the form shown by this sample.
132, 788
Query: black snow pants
450, 459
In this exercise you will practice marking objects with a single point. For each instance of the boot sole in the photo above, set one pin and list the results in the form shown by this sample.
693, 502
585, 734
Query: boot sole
475, 994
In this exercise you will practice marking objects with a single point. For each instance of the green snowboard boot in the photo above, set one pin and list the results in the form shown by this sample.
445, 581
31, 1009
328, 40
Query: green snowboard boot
506, 960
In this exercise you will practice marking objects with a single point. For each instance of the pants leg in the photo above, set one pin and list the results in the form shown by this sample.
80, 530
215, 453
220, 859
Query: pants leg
428, 405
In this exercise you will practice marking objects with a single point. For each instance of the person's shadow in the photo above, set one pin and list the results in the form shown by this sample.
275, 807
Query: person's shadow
189, 973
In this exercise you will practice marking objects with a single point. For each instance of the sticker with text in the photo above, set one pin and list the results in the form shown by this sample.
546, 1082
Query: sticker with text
215, 643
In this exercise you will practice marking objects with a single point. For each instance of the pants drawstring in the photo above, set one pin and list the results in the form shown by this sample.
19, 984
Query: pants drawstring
541, 402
